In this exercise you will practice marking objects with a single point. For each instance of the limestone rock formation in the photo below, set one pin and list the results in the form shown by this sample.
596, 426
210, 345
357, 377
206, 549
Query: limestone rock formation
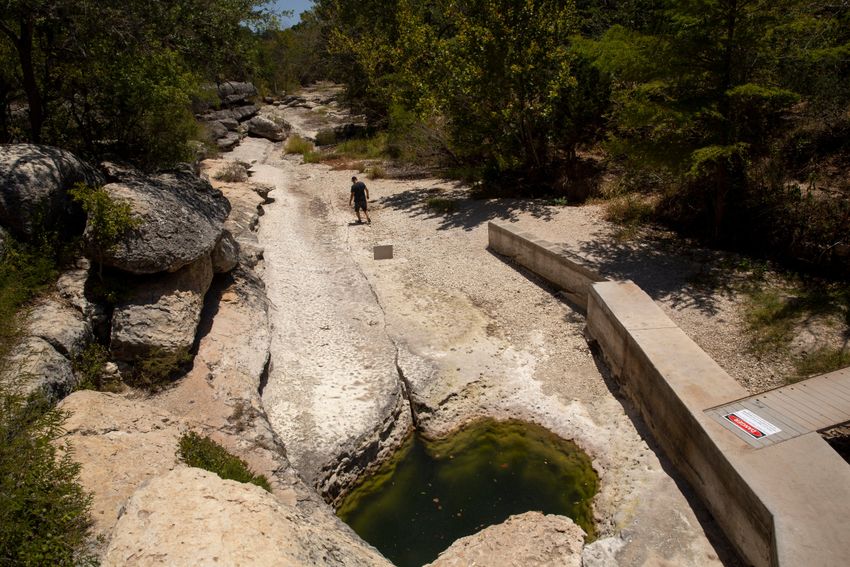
229, 140
161, 312
216, 130
119, 443
528, 540
239, 113
34, 181
182, 218
227, 523
35, 365
232, 92
71, 287
61, 325
263, 127
225, 255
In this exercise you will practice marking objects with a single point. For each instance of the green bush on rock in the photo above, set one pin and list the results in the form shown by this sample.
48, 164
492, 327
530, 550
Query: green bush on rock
204, 453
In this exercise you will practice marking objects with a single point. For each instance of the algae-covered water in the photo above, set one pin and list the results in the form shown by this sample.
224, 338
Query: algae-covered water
433, 493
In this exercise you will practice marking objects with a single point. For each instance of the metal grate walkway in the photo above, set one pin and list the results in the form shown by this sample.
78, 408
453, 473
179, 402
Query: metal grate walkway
790, 411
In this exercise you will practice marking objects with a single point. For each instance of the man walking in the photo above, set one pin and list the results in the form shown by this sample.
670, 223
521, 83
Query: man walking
359, 194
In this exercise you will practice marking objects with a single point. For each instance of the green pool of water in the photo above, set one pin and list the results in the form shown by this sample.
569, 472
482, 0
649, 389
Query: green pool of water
433, 493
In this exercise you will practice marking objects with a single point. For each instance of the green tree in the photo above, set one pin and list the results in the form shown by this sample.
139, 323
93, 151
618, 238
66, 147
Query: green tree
44, 516
118, 77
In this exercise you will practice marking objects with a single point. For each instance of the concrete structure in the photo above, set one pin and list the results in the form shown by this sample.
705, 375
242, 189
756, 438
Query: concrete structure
559, 266
783, 504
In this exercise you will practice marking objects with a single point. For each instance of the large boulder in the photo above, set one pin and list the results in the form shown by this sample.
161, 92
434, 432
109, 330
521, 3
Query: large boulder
161, 313
72, 284
239, 113
227, 141
120, 443
225, 255
263, 127
182, 218
61, 325
232, 92
33, 187
192, 517
531, 540
35, 365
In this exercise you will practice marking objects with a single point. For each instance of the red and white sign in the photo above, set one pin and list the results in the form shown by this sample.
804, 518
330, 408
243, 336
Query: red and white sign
752, 424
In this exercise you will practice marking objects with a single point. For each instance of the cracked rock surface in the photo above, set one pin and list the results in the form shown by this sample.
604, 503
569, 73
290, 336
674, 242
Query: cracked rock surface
471, 335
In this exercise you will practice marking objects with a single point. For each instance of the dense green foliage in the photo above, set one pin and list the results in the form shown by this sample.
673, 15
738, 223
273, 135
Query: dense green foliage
43, 510
735, 113
116, 77
25, 270
204, 453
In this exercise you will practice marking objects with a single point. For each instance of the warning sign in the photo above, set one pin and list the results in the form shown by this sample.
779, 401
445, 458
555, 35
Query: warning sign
752, 424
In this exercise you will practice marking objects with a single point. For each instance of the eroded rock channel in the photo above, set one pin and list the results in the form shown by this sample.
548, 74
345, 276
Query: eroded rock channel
444, 334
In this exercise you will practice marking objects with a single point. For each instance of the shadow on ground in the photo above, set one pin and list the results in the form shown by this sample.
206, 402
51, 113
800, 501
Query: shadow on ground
668, 268
466, 214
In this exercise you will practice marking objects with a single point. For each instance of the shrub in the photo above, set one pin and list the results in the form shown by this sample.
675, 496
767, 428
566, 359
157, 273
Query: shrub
441, 204
326, 137
24, 272
44, 512
295, 144
233, 172
204, 453
629, 209
155, 371
822, 361
89, 364
376, 172
312, 157
108, 219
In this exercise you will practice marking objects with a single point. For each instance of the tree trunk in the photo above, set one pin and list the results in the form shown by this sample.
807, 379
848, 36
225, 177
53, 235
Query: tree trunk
24, 45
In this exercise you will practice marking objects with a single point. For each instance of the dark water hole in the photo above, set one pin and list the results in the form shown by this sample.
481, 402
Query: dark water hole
433, 493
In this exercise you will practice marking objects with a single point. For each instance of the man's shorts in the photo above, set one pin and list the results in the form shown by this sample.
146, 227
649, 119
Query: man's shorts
360, 205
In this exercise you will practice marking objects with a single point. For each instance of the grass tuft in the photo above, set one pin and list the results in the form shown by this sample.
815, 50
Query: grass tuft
233, 172
295, 144
441, 204
822, 361
204, 453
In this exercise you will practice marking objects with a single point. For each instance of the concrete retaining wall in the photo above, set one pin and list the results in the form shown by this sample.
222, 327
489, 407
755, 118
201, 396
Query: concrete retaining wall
783, 505
553, 263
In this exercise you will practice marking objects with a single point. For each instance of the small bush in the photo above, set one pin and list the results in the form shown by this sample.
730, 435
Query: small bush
89, 364
295, 144
156, 370
441, 204
376, 172
108, 220
204, 453
25, 271
326, 137
233, 172
44, 512
362, 148
629, 209
312, 157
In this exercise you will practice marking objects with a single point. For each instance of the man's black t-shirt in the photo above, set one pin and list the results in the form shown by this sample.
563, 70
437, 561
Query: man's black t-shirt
359, 190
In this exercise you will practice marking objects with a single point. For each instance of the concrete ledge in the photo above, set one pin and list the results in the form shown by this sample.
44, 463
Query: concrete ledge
545, 259
781, 505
